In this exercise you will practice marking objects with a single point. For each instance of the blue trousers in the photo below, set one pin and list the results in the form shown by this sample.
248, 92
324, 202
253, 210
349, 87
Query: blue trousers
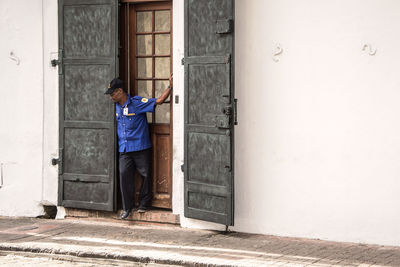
128, 163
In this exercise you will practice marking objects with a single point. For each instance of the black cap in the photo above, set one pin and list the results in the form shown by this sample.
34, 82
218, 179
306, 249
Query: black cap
113, 85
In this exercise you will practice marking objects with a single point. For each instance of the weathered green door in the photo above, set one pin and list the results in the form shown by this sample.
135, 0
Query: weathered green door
87, 62
209, 110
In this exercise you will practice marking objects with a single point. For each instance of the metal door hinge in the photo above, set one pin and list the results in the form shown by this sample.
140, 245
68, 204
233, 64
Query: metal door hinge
235, 120
58, 62
183, 167
55, 62
183, 61
58, 161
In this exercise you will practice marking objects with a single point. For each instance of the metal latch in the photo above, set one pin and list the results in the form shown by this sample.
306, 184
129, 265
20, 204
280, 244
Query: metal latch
224, 26
227, 110
222, 121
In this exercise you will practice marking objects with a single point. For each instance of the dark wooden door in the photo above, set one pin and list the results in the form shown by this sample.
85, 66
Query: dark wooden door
209, 110
146, 64
87, 41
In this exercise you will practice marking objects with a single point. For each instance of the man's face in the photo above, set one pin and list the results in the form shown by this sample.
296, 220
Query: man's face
116, 95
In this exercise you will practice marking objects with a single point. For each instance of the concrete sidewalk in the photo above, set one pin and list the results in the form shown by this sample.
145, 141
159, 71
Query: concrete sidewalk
165, 244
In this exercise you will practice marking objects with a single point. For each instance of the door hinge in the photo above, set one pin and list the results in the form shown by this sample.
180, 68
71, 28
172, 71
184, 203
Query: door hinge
183, 61
54, 161
183, 167
58, 161
58, 62
54, 62
235, 120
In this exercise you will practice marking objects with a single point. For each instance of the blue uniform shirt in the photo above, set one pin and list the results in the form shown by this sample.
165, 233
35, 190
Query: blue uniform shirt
132, 128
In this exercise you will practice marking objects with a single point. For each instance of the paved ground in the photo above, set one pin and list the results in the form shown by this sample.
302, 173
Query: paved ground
173, 245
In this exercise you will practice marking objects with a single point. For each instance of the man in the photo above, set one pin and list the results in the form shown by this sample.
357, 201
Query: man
134, 143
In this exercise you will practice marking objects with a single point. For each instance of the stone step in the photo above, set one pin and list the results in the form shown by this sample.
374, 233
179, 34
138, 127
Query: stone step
150, 216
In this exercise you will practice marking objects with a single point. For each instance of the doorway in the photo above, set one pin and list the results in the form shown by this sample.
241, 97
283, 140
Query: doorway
145, 64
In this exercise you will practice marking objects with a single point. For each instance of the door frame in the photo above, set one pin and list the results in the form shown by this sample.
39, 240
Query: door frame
127, 67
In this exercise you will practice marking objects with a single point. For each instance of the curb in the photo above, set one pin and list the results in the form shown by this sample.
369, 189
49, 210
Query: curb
111, 255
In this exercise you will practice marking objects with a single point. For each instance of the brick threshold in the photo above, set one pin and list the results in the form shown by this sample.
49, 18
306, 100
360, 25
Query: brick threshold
151, 216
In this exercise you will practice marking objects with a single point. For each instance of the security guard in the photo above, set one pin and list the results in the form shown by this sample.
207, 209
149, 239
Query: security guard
134, 142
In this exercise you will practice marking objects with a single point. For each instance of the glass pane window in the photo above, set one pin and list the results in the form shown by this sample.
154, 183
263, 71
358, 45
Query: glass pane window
144, 21
153, 61
160, 87
162, 21
149, 117
145, 67
144, 44
162, 67
162, 44
163, 113
145, 89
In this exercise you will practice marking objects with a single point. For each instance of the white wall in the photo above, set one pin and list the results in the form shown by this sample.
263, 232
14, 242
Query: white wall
178, 114
21, 110
322, 158
24, 144
50, 119
318, 140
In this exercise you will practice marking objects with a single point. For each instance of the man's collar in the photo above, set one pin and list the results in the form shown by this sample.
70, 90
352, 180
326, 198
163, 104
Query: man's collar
127, 101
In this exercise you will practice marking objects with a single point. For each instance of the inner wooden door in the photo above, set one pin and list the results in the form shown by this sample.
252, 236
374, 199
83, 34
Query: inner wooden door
145, 65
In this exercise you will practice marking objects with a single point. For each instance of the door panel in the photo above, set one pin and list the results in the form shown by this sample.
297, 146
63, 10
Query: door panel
208, 91
87, 41
209, 110
201, 21
162, 182
88, 29
209, 167
78, 83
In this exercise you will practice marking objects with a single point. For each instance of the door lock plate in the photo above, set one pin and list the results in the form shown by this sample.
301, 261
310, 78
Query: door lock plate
222, 121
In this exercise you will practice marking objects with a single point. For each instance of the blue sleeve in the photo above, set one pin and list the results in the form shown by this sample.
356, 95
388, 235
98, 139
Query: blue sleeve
144, 105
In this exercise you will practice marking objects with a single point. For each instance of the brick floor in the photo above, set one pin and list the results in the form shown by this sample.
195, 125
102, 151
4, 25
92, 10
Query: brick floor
170, 244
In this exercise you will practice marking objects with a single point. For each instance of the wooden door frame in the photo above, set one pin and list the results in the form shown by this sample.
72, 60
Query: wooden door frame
128, 63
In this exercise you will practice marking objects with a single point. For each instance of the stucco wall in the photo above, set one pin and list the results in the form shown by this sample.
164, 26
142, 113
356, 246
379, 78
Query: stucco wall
318, 140
24, 142
50, 118
21, 109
